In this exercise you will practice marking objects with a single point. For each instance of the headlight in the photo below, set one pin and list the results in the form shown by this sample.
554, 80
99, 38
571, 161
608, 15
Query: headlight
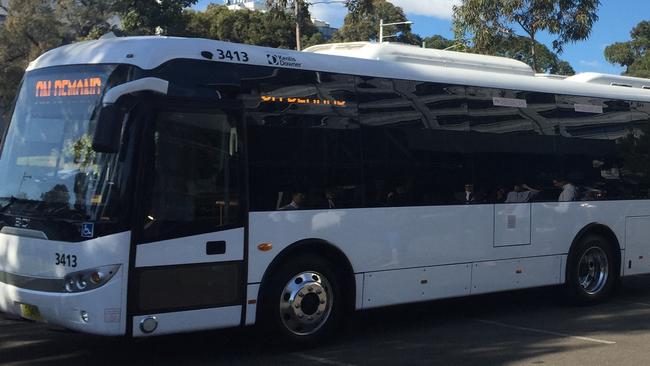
89, 279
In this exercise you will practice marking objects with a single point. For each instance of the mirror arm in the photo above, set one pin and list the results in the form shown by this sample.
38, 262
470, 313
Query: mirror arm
109, 124
151, 84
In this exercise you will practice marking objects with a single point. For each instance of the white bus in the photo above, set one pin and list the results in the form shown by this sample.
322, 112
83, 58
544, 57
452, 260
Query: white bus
156, 185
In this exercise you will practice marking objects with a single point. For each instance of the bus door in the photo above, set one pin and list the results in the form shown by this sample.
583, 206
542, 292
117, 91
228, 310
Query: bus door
189, 253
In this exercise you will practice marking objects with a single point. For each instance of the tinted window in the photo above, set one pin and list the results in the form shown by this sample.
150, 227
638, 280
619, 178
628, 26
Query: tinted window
414, 147
588, 150
195, 190
390, 103
512, 142
303, 138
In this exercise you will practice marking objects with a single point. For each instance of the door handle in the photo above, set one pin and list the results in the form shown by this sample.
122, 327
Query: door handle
215, 247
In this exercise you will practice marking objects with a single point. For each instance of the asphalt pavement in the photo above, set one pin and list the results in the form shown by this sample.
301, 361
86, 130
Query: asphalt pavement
530, 327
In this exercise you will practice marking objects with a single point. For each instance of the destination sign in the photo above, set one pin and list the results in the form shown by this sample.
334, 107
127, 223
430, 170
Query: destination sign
310, 101
68, 88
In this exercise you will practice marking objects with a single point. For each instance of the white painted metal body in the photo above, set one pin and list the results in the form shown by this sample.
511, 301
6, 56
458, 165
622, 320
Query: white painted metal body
106, 305
423, 253
151, 52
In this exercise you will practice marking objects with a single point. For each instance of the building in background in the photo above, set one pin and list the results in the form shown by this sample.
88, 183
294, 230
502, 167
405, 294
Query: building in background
324, 28
254, 5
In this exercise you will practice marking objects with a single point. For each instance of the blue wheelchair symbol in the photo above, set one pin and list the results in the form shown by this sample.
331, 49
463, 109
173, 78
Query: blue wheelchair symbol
87, 230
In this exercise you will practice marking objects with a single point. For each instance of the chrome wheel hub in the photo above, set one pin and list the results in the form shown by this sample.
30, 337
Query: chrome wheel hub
593, 270
306, 303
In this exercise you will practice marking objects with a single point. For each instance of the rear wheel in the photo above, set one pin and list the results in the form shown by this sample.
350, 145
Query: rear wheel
591, 270
302, 301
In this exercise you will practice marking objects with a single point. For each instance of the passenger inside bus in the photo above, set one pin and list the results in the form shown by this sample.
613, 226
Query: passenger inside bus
297, 202
569, 191
521, 193
469, 195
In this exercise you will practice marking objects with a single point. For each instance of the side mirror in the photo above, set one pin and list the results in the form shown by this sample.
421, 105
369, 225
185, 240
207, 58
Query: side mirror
110, 119
109, 129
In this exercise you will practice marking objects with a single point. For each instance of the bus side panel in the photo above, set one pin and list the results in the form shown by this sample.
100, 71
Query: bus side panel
416, 284
637, 238
556, 224
493, 276
380, 238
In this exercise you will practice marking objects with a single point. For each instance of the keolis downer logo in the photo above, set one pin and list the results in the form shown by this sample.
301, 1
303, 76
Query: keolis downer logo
282, 60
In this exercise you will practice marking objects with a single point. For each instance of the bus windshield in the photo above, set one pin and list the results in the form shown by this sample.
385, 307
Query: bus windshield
48, 165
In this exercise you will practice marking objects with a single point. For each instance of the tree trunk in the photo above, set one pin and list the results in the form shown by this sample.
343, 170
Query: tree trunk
296, 5
532, 51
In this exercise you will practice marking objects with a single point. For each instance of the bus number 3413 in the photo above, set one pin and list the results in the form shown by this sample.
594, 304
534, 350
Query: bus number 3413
68, 260
232, 55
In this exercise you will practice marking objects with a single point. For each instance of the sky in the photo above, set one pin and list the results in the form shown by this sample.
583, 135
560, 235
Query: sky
616, 19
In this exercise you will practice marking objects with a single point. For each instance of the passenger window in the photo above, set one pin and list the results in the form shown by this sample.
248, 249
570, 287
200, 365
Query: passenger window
195, 174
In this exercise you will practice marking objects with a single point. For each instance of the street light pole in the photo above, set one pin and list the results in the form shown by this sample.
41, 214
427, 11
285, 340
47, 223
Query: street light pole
382, 25
296, 4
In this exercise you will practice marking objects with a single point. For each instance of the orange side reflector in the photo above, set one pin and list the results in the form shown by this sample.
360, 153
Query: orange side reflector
265, 247
252, 302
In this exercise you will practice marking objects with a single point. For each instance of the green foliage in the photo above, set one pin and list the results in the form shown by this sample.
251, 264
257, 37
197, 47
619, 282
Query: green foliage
87, 19
363, 24
482, 23
517, 47
30, 29
274, 28
438, 42
633, 54
142, 17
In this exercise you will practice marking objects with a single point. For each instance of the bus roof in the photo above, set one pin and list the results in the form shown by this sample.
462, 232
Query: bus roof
387, 60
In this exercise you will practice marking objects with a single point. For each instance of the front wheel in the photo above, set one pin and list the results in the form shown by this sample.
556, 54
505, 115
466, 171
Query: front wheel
591, 270
302, 301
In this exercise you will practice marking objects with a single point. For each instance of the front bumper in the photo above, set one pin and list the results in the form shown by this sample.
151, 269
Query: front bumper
103, 306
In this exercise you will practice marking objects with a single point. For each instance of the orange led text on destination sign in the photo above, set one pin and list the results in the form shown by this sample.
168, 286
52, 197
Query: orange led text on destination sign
68, 88
312, 101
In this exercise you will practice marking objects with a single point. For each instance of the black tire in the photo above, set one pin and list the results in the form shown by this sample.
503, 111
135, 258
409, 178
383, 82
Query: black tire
592, 270
278, 311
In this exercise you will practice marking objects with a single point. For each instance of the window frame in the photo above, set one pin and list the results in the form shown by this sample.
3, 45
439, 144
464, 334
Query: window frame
158, 105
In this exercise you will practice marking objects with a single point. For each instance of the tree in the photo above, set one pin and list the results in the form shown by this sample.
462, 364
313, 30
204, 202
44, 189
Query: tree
516, 47
300, 10
274, 28
363, 25
33, 27
438, 42
142, 17
633, 54
88, 19
484, 22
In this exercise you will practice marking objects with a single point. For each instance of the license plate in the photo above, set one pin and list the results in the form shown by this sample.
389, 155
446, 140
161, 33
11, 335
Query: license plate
30, 312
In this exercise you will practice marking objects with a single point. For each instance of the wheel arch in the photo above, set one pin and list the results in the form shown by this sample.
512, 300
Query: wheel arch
604, 231
322, 248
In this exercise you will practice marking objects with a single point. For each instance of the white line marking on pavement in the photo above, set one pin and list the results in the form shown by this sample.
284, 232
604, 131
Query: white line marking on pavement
504, 325
324, 361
